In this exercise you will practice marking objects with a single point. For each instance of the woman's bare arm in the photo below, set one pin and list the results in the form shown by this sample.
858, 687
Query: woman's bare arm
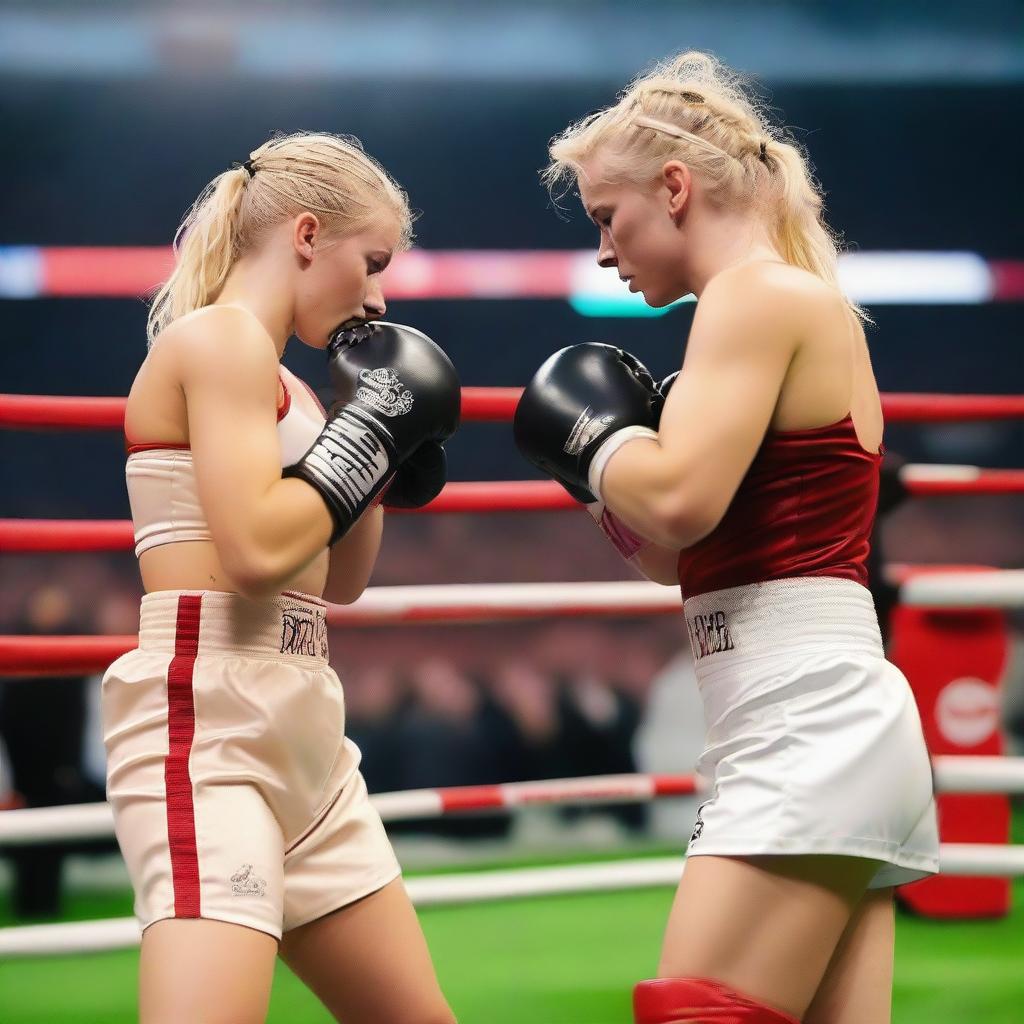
265, 528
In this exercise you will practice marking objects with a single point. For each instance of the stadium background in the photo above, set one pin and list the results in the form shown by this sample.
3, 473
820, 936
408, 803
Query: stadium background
115, 115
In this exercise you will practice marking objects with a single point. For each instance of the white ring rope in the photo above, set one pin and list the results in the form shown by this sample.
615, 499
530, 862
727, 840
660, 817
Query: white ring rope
953, 774
984, 589
990, 588
535, 598
914, 472
963, 859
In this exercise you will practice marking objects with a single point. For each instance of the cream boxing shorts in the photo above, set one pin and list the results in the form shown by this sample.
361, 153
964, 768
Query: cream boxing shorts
236, 795
814, 743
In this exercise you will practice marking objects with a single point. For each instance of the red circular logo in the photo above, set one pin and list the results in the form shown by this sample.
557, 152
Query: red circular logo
967, 712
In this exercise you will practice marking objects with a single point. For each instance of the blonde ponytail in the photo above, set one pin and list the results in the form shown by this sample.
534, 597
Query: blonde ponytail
204, 250
327, 174
799, 229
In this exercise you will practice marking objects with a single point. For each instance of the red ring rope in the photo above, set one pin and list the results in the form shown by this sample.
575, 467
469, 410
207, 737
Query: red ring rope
488, 405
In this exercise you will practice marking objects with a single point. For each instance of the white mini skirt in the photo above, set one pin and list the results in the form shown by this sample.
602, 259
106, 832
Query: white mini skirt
814, 742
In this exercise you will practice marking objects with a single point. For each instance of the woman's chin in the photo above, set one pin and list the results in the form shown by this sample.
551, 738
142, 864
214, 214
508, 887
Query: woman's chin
314, 339
659, 300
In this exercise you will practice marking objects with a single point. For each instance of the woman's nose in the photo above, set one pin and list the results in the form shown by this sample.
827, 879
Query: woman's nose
374, 304
606, 253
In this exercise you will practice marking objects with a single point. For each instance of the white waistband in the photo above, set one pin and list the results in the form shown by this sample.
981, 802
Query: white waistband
287, 627
804, 615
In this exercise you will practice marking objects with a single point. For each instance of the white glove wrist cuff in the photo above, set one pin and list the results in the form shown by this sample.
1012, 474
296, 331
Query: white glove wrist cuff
608, 449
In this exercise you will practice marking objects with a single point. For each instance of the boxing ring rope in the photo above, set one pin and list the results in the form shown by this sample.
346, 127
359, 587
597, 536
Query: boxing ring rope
953, 774
956, 859
498, 602
95, 821
504, 602
479, 405
66, 412
66, 535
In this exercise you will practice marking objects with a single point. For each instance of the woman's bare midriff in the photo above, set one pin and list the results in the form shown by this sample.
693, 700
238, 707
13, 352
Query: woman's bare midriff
193, 565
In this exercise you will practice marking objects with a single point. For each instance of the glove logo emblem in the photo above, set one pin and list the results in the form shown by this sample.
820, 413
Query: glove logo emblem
382, 390
584, 430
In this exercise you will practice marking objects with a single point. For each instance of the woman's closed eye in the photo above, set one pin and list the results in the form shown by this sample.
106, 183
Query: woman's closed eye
377, 264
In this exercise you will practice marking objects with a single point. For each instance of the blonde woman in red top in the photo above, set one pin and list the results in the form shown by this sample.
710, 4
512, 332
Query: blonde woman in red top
753, 485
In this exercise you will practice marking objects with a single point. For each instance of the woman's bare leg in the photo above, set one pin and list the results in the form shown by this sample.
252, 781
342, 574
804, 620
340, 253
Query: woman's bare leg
765, 926
205, 972
857, 987
368, 963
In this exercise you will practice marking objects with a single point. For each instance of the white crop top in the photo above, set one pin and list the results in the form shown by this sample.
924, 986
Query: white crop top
161, 479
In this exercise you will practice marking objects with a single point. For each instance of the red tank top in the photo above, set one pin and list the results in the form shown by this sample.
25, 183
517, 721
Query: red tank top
805, 508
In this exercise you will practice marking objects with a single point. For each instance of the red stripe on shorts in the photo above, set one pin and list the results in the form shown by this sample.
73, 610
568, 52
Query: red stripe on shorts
181, 727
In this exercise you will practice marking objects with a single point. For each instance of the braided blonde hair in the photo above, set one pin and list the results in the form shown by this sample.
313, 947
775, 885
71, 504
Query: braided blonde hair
695, 109
330, 175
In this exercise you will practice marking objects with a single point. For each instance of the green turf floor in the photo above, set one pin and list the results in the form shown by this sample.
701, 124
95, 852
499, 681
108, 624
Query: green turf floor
563, 960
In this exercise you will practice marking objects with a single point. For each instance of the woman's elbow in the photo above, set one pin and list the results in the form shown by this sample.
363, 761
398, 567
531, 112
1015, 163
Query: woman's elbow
347, 579
682, 521
346, 593
255, 574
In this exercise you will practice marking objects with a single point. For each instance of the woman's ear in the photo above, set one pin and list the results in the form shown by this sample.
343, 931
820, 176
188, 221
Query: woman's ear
305, 232
675, 176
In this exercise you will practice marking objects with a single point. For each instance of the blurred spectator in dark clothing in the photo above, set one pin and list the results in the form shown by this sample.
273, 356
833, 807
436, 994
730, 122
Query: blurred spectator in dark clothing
41, 722
599, 719
600, 724
374, 704
447, 738
534, 741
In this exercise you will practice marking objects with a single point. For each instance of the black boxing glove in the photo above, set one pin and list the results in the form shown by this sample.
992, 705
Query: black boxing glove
419, 479
582, 404
396, 390
664, 386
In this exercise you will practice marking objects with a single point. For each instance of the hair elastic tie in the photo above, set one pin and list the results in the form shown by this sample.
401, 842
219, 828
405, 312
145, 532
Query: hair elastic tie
763, 152
245, 165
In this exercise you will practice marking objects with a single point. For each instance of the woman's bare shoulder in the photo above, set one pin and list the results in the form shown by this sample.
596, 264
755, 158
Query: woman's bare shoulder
778, 294
221, 346
766, 279
217, 335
